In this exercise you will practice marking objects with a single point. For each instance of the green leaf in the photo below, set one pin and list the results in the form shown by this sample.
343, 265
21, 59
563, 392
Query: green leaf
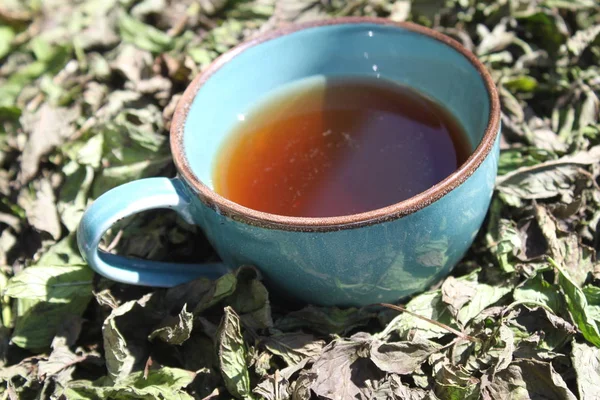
592, 295
522, 83
578, 306
36, 328
61, 289
53, 284
505, 356
112, 177
545, 26
85, 153
74, 194
165, 377
588, 114
9, 113
6, 37
537, 290
64, 252
53, 63
504, 242
485, 296
232, 355
144, 36
132, 149
164, 383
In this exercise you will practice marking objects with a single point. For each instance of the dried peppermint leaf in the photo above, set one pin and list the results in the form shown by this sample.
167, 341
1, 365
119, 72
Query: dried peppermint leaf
293, 347
47, 128
232, 355
324, 320
527, 379
586, 362
144, 36
401, 357
429, 305
125, 336
345, 360
175, 330
548, 179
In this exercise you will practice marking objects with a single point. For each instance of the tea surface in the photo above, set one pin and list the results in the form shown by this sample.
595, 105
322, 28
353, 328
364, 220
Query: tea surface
339, 147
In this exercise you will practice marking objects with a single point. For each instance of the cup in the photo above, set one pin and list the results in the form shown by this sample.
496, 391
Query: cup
377, 256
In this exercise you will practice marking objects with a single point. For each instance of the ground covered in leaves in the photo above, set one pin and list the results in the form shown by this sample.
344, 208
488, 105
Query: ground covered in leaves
87, 92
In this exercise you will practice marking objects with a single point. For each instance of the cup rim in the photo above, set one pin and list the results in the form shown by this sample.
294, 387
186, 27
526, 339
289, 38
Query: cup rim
323, 224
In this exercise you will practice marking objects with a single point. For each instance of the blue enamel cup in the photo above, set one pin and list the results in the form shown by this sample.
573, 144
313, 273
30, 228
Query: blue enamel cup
378, 256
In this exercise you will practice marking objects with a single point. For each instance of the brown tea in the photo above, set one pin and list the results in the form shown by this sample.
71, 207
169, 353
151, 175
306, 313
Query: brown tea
339, 147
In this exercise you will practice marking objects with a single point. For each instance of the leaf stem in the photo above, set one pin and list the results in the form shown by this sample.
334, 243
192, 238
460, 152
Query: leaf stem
458, 333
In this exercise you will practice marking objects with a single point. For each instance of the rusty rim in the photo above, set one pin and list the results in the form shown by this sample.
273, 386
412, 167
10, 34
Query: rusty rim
394, 211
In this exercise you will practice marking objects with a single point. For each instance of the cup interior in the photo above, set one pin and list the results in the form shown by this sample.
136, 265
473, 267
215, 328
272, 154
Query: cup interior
229, 92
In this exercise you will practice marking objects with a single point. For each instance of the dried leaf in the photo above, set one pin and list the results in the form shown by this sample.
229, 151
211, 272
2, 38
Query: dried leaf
458, 292
344, 360
125, 337
144, 36
428, 305
453, 382
527, 379
401, 357
232, 356
48, 128
577, 43
293, 347
547, 179
324, 320
175, 330
586, 362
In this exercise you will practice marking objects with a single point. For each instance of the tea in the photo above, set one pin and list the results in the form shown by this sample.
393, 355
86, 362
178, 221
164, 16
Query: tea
339, 147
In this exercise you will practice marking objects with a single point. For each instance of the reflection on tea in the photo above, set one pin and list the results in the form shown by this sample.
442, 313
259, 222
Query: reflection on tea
344, 146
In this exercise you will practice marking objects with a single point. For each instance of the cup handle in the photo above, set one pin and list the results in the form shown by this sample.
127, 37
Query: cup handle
123, 201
